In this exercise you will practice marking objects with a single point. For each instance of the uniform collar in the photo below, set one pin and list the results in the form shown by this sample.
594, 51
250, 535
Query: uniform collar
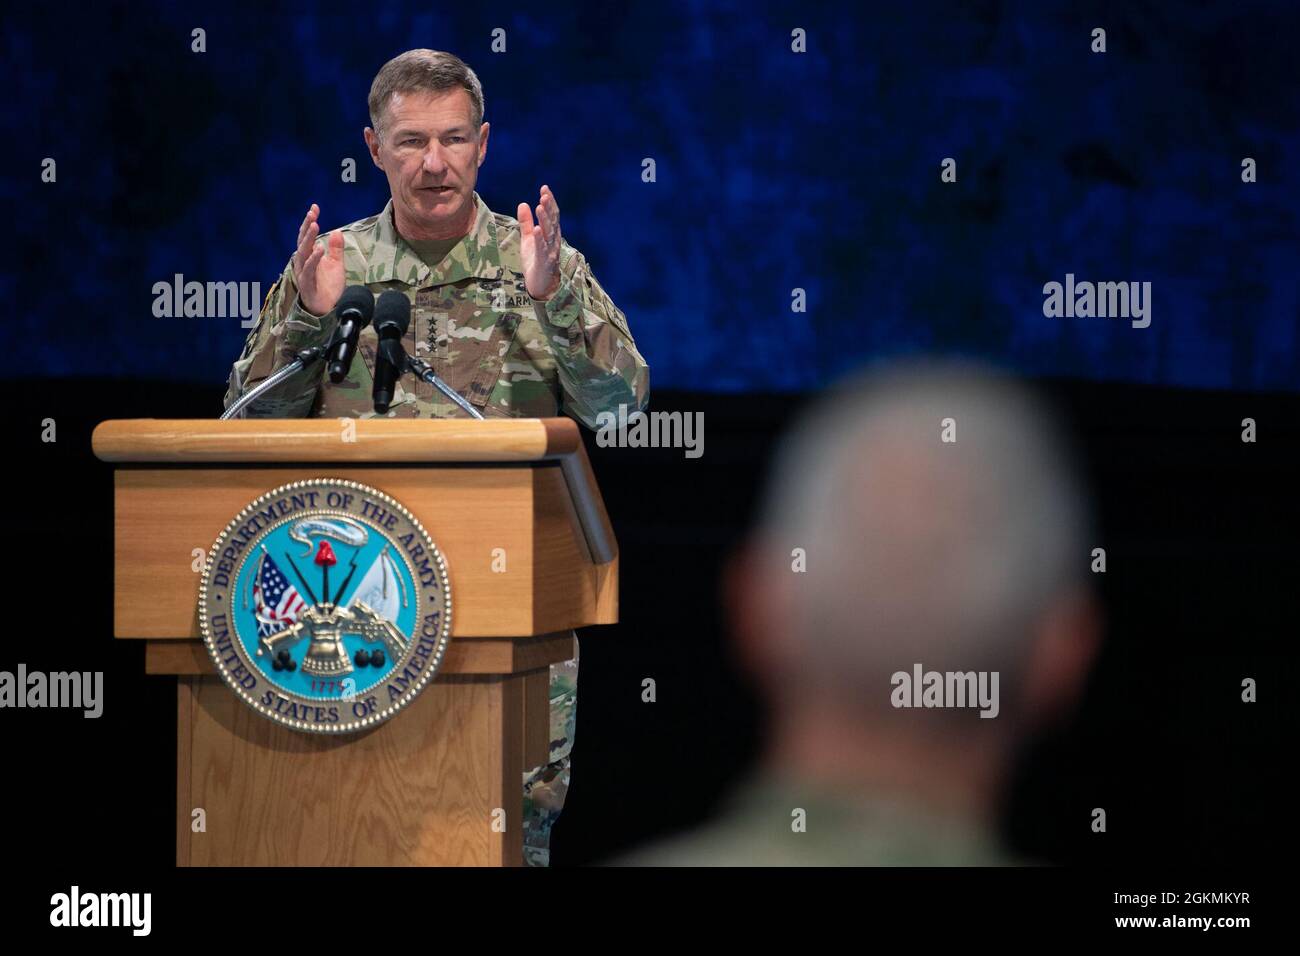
874, 824
476, 255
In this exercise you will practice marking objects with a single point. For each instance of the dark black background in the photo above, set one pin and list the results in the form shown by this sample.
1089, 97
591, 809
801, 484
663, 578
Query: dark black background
1198, 527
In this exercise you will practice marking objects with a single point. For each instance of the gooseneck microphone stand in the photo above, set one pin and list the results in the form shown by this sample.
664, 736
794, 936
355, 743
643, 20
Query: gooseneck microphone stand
392, 356
421, 370
305, 358
416, 366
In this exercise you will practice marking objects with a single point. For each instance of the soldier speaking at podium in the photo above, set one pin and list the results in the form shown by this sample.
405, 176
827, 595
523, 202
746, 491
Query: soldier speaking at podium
503, 309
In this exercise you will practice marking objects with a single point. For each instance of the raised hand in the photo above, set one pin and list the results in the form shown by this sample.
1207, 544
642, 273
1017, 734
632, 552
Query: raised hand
539, 245
318, 268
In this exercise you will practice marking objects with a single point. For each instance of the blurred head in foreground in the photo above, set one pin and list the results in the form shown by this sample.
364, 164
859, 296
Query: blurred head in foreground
913, 604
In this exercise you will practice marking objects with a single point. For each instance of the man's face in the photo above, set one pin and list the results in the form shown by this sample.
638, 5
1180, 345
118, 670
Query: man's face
431, 155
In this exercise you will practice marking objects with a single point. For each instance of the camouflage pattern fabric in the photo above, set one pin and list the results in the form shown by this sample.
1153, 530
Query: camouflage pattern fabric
840, 825
545, 787
472, 320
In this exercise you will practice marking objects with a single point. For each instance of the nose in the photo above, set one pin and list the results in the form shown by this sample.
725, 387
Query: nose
433, 160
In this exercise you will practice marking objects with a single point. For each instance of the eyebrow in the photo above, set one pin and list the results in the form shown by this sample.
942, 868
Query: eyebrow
420, 132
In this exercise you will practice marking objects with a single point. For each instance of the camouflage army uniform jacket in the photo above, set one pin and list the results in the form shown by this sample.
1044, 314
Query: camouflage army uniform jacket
472, 320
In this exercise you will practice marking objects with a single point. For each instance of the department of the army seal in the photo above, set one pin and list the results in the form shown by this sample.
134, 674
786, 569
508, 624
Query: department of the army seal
326, 606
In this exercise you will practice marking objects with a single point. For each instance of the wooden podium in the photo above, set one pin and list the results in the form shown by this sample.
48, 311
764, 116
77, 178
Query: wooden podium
432, 785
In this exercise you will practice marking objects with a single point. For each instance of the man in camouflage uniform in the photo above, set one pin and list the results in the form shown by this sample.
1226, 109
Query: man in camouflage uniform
503, 309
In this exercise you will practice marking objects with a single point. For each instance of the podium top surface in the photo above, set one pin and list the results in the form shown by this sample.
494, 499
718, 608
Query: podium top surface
181, 440
358, 441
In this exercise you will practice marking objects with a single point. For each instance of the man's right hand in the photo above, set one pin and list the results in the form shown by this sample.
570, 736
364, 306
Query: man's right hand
317, 268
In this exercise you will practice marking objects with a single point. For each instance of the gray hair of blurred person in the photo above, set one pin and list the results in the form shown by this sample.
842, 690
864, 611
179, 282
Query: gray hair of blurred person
429, 71
920, 550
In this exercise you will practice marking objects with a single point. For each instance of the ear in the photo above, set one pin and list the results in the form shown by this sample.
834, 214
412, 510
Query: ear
482, 142
372, 144
754, 603
1067, 643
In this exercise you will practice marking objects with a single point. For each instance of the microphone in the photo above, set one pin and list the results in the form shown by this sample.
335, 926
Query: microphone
392, 319
356, 306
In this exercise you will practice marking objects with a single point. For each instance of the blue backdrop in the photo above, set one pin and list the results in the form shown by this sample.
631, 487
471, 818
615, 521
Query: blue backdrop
775, 170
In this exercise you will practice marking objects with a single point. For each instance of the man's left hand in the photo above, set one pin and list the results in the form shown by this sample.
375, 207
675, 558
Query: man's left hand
539, 244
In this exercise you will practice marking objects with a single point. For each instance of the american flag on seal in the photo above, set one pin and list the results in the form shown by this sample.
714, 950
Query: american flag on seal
276, 602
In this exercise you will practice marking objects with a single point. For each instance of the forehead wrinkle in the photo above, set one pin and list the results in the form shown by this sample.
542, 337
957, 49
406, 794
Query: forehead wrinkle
408, 106
407, 127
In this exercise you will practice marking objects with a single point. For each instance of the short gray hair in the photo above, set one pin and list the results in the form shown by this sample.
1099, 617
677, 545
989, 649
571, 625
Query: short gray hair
430, 71
919, 549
